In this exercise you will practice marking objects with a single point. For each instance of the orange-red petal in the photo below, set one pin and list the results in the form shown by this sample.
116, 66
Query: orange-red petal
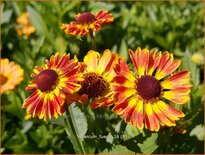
167, 65
75, 29
140, 59
178, 80
103, 17
178, 95
75, 97
151, 121
44, 105
171, 113
154, 60
137, 115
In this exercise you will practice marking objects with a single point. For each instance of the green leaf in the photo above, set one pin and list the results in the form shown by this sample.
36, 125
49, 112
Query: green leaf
16, 8
6, 16
198, 95
149, 145
123, 51
79, 119
131, 131
118, 149
40, 136
16, 141
37, 44
198, 131
76, 127
58, 121
189, 65
69, 7
37, 21
61, 45
50, 151
89, 146
15, 106
110, 138
95, 7
26, 126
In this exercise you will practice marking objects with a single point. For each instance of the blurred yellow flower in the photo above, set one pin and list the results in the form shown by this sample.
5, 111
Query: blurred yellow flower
11, 75
24, 26
197, 58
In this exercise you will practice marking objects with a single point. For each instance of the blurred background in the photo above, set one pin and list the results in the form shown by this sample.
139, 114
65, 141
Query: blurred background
177, 27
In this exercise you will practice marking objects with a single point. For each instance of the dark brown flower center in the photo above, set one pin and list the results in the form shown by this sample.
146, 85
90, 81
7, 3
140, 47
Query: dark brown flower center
85, 18
3, 79
148, 87
93, 85
47, 80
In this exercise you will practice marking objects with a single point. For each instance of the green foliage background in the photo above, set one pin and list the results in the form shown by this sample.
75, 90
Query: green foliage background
174, 26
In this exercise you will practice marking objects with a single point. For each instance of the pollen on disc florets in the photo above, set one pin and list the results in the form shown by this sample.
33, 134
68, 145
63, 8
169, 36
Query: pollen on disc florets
47, 80
85, 18
148, 88
93, 85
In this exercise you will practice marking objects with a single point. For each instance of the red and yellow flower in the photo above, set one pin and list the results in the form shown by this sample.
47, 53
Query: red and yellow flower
24, 26
58, 77
140, 98
11, 75
96, 80
87, 21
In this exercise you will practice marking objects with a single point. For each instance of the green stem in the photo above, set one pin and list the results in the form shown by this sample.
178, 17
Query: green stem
71, 132
97, 125
122, 130
92, 39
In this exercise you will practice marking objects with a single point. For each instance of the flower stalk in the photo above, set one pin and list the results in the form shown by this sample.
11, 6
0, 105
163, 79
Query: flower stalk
92, 39
71, 132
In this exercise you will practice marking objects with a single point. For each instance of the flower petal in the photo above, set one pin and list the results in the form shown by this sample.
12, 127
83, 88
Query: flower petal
162, 117
153, 62
178, 95
75, 29
75, 97
128, 92
120, 107
177, 80
140, 60
171, 113
103, 101
137, 115
127, 114
106, 62
121, 68
44, 105
32, 86
167, 65
103, 17
151, 121
91, 60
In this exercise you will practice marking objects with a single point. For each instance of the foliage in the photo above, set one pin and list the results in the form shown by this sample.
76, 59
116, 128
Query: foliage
174, 26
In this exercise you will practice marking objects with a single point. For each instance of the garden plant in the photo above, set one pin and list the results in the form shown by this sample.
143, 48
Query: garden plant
92, 77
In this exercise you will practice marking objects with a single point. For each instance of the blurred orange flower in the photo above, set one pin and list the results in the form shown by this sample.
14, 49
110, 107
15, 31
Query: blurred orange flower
87, 21
11, 75
24, 26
